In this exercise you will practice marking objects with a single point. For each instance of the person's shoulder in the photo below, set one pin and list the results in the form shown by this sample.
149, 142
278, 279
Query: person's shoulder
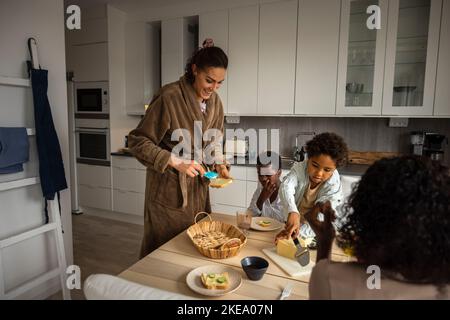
170, 89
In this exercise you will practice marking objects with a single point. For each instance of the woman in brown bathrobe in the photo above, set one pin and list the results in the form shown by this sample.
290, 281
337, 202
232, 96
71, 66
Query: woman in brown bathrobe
175, 189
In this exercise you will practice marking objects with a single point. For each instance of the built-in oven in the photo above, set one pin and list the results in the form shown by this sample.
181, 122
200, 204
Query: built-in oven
92, 99
92, 142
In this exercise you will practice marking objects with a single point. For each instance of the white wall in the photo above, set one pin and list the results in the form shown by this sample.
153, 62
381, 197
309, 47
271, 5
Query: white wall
22, 209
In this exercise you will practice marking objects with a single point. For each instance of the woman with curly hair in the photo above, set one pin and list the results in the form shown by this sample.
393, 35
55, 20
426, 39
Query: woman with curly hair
312, 181
397, 219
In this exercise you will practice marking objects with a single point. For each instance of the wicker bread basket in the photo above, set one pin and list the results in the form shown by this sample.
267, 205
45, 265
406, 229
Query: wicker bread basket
207, 227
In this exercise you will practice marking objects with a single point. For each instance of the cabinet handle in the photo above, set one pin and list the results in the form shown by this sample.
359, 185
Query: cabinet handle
87, 186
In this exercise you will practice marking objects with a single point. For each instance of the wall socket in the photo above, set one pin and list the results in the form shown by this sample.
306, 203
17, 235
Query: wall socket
398, 122
232, 119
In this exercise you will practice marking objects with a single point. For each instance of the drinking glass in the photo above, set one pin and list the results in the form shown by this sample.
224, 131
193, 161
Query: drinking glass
243, 221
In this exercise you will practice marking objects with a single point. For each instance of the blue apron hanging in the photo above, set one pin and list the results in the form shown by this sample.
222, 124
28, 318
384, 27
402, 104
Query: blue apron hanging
51, 168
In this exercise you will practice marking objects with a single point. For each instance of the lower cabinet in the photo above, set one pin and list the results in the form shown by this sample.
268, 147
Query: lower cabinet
128, 185
94, 186
128, 202
95, 197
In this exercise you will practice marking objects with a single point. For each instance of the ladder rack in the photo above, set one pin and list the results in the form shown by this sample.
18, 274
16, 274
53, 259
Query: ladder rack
54, 226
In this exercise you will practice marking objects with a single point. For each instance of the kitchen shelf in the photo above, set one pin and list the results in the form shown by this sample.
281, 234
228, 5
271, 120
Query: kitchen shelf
17, 82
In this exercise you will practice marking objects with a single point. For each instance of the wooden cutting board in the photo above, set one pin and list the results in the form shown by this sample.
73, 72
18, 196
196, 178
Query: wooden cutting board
369, 157
291, 267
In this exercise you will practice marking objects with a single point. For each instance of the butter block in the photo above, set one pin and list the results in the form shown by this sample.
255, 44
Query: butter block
286, 248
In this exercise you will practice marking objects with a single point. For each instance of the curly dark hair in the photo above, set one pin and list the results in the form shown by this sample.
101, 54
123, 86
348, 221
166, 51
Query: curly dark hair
330, 144
204, 58
398, 217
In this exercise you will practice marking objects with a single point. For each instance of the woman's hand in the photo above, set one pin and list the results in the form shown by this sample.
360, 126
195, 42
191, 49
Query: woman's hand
222, 170
324, 230
292, 227
189, 167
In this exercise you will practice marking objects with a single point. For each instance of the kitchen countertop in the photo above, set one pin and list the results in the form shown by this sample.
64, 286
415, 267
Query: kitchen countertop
350, 169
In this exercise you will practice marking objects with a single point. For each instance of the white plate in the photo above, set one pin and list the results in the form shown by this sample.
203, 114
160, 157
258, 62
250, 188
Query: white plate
274, 224
194, 281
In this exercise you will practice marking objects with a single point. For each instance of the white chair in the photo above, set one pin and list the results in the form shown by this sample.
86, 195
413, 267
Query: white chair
108, 287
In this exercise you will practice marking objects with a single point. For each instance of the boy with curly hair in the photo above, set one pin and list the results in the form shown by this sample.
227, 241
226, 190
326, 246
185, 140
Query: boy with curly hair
314, 180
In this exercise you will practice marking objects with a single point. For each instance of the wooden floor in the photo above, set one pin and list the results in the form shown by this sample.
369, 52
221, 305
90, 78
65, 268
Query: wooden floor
103, 246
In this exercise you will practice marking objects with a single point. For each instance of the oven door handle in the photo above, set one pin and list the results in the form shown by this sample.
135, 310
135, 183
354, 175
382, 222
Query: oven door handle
99, 130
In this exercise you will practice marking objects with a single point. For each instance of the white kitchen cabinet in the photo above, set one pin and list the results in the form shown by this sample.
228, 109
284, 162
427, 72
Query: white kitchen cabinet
172, 63
233, 195
251, 187
277, 54
317, 57
92, 31
128, 202
129, 177
442, 98
142, 66
214, 25
411, 57
243, 60
95, 197
89, 62
177, 46
99, 176
94, 186
361, 59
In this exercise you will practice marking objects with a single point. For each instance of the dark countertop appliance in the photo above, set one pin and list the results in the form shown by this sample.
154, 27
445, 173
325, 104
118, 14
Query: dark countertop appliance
429, 144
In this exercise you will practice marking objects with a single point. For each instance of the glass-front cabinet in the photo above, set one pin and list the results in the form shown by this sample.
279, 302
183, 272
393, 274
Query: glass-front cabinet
361, 59
411, 57
392, 70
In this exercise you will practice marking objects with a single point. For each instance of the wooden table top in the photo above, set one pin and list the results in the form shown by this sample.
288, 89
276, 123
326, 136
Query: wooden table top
166, 268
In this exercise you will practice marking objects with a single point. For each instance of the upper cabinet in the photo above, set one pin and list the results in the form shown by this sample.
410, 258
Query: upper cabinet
87, 49
277, 54
178, 42
361, 59
142, 66
411, 57
214, 25
317, 57
243, 60
442, 98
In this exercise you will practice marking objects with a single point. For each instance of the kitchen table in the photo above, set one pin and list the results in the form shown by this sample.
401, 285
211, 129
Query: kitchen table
167, 267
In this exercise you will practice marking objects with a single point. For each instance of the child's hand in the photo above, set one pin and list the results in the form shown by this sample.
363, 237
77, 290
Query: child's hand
292, 227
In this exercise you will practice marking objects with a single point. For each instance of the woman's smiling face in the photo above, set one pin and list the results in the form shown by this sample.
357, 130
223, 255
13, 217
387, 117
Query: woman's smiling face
207, 81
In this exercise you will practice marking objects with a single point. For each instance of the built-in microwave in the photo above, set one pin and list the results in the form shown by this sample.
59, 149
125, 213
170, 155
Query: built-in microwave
91, 97
92, 141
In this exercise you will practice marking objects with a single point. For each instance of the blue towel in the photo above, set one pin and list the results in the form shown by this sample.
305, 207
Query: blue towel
14, 149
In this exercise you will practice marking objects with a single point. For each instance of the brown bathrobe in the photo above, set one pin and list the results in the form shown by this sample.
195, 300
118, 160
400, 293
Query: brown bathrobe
171, 198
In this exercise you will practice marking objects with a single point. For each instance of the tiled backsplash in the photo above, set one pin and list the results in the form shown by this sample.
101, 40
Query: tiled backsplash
361, 134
